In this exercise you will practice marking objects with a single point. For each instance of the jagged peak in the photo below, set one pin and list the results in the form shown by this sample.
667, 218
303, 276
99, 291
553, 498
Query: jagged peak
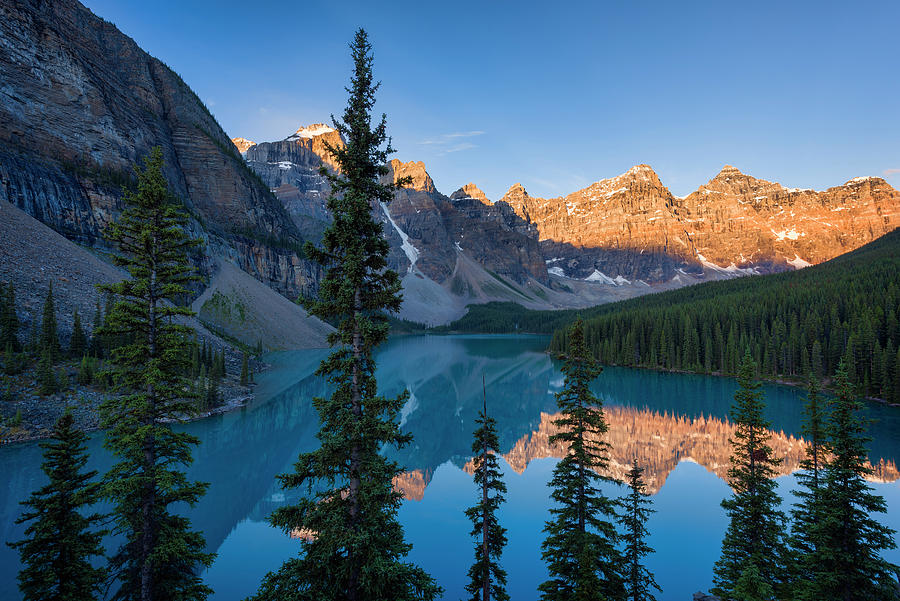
729, 171
517, 189
470, 190
311, 131
421, 180
242, 144
641, 170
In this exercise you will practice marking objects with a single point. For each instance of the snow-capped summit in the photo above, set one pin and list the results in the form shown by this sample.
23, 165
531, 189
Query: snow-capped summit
311, 131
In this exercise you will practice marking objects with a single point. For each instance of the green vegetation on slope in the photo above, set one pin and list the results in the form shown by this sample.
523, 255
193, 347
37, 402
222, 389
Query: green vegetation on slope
793, 323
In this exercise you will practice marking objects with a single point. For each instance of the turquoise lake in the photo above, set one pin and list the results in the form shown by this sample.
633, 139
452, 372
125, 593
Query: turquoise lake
675, 424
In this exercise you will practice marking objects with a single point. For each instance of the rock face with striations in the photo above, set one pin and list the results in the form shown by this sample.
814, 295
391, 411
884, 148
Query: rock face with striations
81, 103
290, 168
632, 226
425, 228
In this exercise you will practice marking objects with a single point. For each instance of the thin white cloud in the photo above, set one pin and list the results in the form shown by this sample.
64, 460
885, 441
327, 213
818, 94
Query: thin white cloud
452, 142
459, 147
891, 172
446, 139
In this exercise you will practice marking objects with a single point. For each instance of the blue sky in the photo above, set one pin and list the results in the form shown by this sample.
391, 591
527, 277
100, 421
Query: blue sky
559, 95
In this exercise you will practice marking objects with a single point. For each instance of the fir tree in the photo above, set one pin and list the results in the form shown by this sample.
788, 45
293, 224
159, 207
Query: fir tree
244, 370
849, 540
358, 550
160, 557
49, 336
9, 320
86, 371
487, 579
636, 510
60, 540
45, 377
806, 512
754, 534
78, 344
580, 548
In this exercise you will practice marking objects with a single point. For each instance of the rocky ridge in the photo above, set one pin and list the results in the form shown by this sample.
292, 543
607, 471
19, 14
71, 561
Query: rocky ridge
81, 103
632, 226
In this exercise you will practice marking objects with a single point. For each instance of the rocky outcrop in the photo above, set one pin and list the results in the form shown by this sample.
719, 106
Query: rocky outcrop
242, 144
632, 226
426, 229
470, 190
81, 103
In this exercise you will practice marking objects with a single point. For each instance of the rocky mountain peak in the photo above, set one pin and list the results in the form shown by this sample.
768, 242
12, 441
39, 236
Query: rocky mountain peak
311, 131
731, 180
243, 144
470, 190
642, 172
516, 192
414, 169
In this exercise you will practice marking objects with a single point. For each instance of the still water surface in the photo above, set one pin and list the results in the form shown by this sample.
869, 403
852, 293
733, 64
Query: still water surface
674, 424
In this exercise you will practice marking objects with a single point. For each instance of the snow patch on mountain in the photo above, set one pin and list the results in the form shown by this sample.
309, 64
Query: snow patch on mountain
408, 249
310, 131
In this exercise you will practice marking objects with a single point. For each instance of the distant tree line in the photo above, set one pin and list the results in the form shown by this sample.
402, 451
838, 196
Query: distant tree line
846, 310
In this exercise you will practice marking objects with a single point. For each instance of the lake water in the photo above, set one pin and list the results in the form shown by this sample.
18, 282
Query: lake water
674, 424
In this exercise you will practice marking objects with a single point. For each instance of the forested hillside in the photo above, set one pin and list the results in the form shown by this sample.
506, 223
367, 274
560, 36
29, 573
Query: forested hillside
847, 308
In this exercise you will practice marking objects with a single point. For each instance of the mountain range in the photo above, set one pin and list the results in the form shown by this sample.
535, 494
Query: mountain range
80, 103
619, 237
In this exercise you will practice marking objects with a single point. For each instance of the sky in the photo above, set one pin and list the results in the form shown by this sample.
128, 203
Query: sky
557, 95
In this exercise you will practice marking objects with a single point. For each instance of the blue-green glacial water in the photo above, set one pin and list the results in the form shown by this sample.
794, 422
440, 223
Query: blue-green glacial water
675, 424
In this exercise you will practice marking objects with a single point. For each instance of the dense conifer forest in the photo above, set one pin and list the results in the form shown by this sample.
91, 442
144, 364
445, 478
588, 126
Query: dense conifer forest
793, 322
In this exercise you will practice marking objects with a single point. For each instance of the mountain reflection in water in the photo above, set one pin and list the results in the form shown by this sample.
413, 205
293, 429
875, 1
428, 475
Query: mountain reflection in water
662, 419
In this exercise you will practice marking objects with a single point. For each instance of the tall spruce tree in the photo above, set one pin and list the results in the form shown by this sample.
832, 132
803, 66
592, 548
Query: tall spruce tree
9, 319
636, 510
849, 540
78, 343
60, 539
160, 557
806, 512
357, 550
49, 340
754, 534
487, 579
581, 544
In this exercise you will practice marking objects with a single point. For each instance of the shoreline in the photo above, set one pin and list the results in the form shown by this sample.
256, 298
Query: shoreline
40, 413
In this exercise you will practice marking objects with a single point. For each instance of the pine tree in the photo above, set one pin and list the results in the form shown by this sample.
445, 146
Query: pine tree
49, 336
78, 344
754, 534
580, 547
160, 557
806, 513
636, 510
244, 370
487, 579
60, 540
358, 550
9, 320
847, 557
45, 377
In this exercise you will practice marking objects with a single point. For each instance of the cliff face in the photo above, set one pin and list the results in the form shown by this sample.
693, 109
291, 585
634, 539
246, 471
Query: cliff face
81, 102
426, 229
632, 226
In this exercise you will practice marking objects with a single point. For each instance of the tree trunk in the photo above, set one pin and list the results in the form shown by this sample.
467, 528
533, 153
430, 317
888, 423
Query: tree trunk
356, 400
486, 593
149, 497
